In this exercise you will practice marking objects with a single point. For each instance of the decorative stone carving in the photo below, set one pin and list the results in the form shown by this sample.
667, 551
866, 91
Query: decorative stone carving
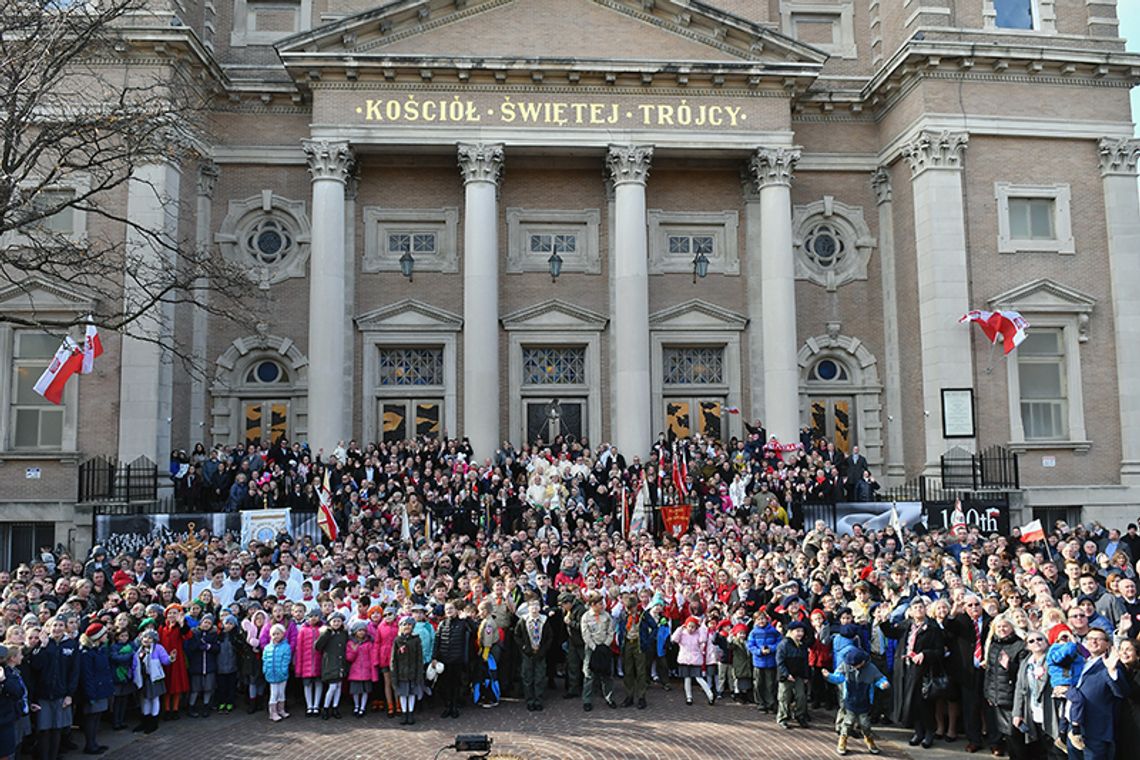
881, 184
629, 163
207, 178
328, 159
773, 166
935, 150
481, 162
1118, 155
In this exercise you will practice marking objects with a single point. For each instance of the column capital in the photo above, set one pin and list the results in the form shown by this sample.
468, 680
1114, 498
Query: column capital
629, 163
881, 184
1118, 155
481, 162
932, 149
328, 159
773, 166
207, 178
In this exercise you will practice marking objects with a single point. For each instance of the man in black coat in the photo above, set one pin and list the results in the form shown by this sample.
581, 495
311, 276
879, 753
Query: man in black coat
853, 468
967, 630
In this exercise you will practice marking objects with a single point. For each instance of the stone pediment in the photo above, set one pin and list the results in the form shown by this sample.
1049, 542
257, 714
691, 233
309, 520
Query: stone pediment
38, 294
1044, 295
554, 315
409, 315
696, 315
555, 30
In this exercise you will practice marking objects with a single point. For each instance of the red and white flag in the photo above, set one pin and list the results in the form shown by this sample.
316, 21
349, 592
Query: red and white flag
1009, 325
1032, 532
678, 476
639, 521
92, 347
325, 518
67, 361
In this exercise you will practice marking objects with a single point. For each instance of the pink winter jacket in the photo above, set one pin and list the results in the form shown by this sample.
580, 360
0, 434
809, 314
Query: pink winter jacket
692, 645
306, 659
384, 635
361, 656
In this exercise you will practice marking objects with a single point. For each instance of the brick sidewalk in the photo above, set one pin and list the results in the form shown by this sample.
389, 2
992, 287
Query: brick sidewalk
667, 729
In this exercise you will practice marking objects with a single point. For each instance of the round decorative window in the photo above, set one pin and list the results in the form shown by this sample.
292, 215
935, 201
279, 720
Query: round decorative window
269, 241
829, 370
825, 246
265, 372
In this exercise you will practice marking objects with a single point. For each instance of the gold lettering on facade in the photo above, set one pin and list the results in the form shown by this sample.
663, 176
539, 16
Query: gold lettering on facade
410, 109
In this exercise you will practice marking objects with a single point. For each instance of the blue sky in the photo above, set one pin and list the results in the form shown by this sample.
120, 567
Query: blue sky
1129, 13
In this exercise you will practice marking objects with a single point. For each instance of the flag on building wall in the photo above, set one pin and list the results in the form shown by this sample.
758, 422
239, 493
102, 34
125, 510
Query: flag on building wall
92, 347
67, 361
1009, 325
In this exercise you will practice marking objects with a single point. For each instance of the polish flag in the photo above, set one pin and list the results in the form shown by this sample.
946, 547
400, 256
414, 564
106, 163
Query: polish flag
678, 476
1009, 325
92, 347
325, 518
1032, 532
639, 521
67, 361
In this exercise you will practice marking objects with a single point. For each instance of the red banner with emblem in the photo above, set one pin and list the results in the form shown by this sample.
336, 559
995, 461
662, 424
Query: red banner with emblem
676, 519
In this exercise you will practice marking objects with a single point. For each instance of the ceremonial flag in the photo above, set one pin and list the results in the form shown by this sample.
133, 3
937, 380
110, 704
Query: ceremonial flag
92, 347
1032, 532
732, 409
325, 518
67, 361
405, 526
678, 477
896, 525
624, 511
1010, 325
676, 519
638, 522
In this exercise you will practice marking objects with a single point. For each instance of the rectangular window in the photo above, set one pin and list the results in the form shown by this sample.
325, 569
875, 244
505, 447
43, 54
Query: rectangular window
411, 366
698, 365
1032, 218
60, 216
691, 244
554, 366
554, 243
36, 422
1043, 385
401, 419
412, 242
685, 417
1013, 14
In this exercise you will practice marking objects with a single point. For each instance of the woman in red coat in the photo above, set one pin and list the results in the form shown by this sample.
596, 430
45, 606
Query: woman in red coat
171, 635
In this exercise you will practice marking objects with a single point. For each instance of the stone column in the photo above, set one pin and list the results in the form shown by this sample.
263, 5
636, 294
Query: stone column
329, 165
482, 168
753, 241
935, 160
892, 381
1118, 161
146, 391
772, 173
203, 232
628, 166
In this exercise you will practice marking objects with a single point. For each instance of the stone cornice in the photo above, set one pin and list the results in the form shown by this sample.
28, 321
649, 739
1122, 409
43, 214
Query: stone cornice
481, 162
629, 163
935, 150
1118, 155
328, 159
773, 166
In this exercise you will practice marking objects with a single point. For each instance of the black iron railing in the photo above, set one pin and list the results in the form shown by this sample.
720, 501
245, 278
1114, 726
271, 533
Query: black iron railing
102, 479
994, 468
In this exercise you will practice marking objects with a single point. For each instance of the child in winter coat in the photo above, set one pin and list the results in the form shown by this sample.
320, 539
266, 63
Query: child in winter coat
819, 659
1066, 659
202, 662
741, 663
13, 700
275, 660
408, 669
95, 682
383, 635
249, 657
692, 639
857, 678
150, 678
332, 644
172, 634
229, 649
307, 661
660, 666
123, 665
792, 676
361, 655
762, 643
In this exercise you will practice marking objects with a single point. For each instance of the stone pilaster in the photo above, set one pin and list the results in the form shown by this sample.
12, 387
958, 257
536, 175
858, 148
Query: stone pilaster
203, 230
881, 184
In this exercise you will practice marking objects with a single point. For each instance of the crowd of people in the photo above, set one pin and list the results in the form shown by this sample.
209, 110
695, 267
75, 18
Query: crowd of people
454, 584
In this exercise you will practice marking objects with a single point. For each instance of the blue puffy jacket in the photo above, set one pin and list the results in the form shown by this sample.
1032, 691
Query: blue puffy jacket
275, 662
761, 638
95, 677
1066, 661
202, 652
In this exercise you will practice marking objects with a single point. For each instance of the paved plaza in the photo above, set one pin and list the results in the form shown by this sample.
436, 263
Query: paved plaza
668, 729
